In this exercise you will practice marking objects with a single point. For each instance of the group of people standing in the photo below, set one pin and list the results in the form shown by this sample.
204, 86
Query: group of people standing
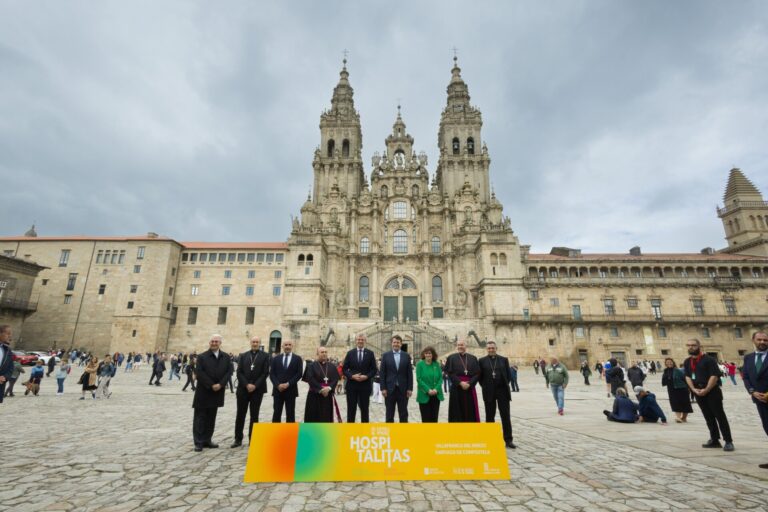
395, 375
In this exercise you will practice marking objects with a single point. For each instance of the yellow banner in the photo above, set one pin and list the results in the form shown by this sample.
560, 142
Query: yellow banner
321, 452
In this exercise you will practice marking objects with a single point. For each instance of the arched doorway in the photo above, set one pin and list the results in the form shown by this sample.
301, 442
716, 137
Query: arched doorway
401, 300
275, 339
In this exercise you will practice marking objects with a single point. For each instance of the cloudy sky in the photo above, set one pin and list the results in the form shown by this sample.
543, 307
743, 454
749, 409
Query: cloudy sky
609, 123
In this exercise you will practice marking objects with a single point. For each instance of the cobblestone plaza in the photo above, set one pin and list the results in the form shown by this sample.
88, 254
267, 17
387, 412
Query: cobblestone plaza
133, 452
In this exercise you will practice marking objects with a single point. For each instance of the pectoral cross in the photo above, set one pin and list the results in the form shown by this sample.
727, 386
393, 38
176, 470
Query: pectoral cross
325, 379
493, 375
465, 372
251, 366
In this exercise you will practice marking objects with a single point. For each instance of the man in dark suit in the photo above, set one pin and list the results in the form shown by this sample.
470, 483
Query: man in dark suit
6, 358
494, 380
214, 368
360, 369
285, 373
252, 373
756, 377
396, 375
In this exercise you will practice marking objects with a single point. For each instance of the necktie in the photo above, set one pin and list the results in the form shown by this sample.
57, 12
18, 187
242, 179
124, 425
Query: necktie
397, 360
359, 356
759, 362
285, 361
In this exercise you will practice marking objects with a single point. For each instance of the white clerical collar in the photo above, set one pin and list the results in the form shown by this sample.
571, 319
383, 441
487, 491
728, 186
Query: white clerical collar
216, 353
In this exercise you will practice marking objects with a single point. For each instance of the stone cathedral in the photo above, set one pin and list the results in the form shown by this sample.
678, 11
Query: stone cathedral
394, 249
398, 244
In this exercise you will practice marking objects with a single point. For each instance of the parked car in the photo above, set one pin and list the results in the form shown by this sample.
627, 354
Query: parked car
44, 356
24, 358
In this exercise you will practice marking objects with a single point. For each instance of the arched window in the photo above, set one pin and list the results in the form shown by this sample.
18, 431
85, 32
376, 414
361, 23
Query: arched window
455, 145
345, 147
471, 146
392, 284
435, 245
363, 295
310, 260
408, 284
437, 289
400, 242
399, 210
384, 192
503, 259
301, 260
364, 245
331, 147
415, 191
494, 259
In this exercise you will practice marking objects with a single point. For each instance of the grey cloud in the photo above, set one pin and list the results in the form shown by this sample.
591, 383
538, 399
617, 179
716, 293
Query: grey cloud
609, 124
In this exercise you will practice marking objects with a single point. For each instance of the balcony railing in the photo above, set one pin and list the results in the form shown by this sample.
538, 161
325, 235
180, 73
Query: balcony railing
636, 319
741, 204
716, 281
18, 305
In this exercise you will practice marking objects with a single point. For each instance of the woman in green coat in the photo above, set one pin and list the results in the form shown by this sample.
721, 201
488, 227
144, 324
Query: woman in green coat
429, 382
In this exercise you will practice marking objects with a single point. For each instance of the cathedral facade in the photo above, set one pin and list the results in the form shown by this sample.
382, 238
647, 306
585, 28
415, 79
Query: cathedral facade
400, 249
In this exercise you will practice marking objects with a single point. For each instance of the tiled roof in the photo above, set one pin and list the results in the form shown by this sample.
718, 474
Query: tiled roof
235, 245
83, 238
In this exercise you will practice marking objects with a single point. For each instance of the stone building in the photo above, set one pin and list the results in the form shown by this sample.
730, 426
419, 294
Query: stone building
400, 249
17, 278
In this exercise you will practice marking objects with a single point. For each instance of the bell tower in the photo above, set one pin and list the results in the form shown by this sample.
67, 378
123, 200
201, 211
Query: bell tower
463, 156
338, 159
745, 216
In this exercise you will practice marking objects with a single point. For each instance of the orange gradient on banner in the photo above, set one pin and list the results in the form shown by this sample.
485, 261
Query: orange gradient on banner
277, 444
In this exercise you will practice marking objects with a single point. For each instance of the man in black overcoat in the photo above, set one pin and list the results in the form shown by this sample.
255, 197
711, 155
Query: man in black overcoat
214, 368
494, 381
252, 373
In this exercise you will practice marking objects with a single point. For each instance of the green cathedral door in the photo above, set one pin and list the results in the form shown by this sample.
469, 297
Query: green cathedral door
410, 309
390, 309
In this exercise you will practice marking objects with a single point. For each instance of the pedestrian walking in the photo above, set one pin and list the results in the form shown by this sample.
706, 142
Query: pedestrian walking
89, 377
513, 378
556, 376
61, 374
35, 378
6, 359
585, 372
190, 372
106, 370
17, 371
51, 365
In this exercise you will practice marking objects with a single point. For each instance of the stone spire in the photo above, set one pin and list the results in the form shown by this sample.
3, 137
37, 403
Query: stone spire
31, 232
458, 92
740, 188
342, 94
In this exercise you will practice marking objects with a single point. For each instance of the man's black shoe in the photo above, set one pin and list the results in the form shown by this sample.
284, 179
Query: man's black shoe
510, 444
211, 445
236, 444
198, 448
712, 443
763, 466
